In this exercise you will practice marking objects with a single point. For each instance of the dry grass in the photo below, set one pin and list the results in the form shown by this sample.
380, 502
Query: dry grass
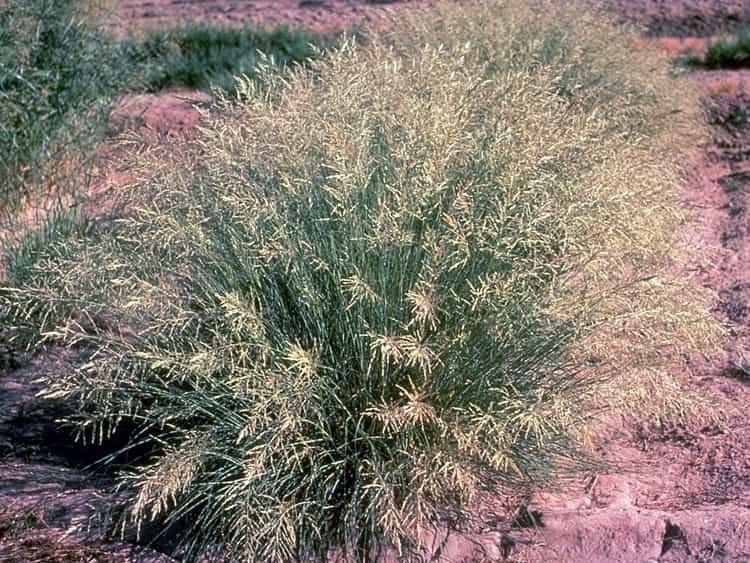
415, 273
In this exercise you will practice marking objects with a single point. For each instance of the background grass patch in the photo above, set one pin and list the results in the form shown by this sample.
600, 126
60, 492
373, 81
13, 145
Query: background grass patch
201, 56
732, 52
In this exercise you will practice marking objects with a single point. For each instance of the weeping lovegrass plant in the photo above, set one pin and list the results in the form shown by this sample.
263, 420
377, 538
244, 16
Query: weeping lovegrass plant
378, 289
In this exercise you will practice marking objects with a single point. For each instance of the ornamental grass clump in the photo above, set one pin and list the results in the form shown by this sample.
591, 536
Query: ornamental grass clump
373, 291
57, 77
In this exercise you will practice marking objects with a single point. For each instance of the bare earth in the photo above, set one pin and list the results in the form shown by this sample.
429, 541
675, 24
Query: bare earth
316, 15
683, 495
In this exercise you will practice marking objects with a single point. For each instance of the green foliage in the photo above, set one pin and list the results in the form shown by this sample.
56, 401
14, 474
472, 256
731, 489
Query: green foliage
55, 72
732, 52
51, 239
373, 291
60, 227
202, 56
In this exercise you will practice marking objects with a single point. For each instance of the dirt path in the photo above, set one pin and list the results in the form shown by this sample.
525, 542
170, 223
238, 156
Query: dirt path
681, 18
676, 18
315, 15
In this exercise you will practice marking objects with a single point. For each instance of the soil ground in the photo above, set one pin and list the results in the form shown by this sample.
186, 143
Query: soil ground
682, 495
315, 15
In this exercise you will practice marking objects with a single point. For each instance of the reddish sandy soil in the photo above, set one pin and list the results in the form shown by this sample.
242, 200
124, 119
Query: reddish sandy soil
677, 18
681, 495
681, 18
317, 15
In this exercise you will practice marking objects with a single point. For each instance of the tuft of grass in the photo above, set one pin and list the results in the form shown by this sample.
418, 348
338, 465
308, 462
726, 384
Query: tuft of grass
384, 286
731, 52
21, 261
61, 226
202, 57
57, 78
